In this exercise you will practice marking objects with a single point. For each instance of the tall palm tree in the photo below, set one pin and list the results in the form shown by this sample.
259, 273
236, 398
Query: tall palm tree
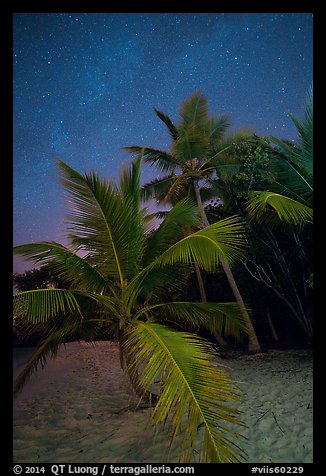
198, 141
119, 287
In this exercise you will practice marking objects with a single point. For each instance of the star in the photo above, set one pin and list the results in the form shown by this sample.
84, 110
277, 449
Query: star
86, 84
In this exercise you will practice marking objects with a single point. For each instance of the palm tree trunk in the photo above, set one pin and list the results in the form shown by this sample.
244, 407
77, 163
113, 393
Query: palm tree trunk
253, 343
217, 336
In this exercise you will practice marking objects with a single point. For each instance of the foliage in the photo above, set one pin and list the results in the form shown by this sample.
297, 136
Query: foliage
289, 202
245, 167
36, 279
198, 143
116, 274
271, 182
267, 206
199, 146
293, 183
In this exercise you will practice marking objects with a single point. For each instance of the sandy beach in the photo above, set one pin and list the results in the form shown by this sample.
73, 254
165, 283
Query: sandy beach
80, 409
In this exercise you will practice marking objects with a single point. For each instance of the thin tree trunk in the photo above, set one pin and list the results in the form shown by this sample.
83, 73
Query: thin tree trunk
217, 336
200, 283
267, 282
271, 325
253, 343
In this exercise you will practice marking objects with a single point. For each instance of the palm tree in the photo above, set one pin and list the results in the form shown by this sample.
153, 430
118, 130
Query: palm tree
118, 288
198, 142
289, 202
291, 198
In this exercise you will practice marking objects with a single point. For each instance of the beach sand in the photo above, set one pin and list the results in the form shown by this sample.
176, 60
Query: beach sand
79, 409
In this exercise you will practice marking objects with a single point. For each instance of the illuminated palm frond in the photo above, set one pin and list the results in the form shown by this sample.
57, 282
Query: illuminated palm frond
195, 395
268, 206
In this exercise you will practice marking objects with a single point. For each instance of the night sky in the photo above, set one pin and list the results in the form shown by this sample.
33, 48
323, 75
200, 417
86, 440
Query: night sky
85, 85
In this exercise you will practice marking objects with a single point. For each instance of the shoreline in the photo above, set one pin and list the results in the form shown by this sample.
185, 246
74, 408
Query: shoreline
78, 409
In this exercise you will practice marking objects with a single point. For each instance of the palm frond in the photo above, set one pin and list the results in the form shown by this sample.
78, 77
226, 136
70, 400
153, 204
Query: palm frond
57, 315
293, 181
194, 393
268, 206
194, 110
222, 318
108, 305
71, 268
158, 283
40, 305
216, 128
209, 246
191, 144
183, 214
45, 311
157, 188
178, 189
169, 124
48, 346
160, 215
158, 158
101, 221
130, 191
295, 161
129, 182
226, 167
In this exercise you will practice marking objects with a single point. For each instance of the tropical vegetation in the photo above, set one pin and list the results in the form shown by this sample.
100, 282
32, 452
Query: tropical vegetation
198, 149
117, 274
292, 194
288, 202
240, 206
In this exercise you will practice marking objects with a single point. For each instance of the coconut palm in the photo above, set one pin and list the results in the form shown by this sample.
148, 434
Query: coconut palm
117, 273
189, 169
291, 198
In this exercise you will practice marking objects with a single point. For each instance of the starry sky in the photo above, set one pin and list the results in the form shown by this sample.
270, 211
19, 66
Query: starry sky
85, 85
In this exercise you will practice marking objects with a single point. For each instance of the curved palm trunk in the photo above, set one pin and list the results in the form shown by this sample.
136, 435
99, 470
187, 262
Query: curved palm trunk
202, 292
253, 343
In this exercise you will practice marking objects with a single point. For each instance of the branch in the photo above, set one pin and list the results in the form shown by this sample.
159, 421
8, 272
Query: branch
277, 422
